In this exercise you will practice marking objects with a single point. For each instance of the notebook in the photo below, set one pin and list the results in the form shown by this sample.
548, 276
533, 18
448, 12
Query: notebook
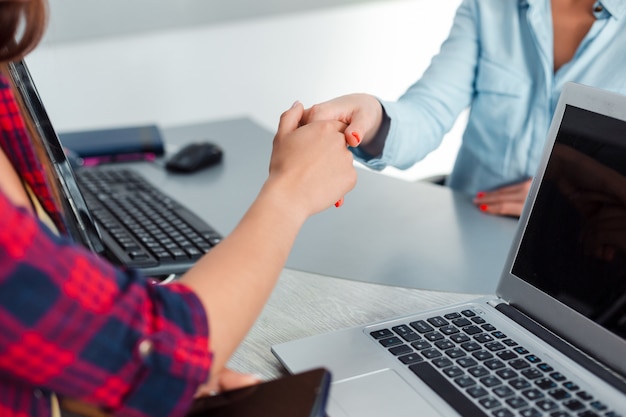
552, 340
115, 212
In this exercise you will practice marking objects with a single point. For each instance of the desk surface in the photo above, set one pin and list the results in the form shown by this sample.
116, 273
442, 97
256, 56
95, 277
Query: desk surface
389, 231
305, 304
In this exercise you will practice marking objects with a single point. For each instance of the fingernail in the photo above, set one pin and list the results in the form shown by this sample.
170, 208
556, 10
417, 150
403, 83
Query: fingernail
483, 207
339, 203
357, 137
480, 194
295, 104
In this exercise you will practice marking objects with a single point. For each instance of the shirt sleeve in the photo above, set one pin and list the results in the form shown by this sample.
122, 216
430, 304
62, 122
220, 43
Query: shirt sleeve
75, 325
421, 117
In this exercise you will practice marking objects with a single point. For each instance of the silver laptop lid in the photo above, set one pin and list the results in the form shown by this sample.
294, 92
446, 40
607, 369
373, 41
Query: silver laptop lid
567, 266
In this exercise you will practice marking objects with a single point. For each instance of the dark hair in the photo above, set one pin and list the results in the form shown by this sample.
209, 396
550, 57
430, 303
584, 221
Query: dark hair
22, 25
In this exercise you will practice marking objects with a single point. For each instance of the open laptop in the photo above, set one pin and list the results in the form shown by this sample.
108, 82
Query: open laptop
114, 211
552, 342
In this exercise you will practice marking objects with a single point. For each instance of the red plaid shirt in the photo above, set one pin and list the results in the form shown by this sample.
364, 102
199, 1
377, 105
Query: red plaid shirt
72, 324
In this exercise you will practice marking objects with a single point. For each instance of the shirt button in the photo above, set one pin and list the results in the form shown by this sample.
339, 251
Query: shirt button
598, 8
145, 348
38, 394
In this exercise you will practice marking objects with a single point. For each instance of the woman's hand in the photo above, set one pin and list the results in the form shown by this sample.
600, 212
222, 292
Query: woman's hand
362, 113
505, 201
311, 163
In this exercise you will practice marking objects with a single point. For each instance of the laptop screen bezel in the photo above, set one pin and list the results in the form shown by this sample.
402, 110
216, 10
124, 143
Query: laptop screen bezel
567, 323
79, 221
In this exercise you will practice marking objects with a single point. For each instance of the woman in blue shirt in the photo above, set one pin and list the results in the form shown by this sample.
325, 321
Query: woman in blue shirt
507, 60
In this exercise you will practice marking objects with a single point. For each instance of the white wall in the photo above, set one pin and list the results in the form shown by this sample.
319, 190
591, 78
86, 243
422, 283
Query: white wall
251, 67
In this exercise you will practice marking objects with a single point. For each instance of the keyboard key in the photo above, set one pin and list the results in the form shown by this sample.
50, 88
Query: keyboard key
433, 336
482, 355
453, 371
559, 394
466, 362
468, 313
571, 386
471, 329
545, 383
452, 316
506, 373
420, 345
438, 321
444, 344
478, 371
465, 381
406, 333
503, 413
490, 402
477, 392
462, 322
507, 355
516, 402
503, 391
519, 383
584, 395
573, 405
455, 353
483, 338
421, 326
519, 364
545, 367
448, 330
494, 364
430, 353
442, 362
459, 338
546, 405
494, 346
390, 341
532, 394
557, 376
532, 373
490, 381
530, 412
400, 350
410, 358
471, 346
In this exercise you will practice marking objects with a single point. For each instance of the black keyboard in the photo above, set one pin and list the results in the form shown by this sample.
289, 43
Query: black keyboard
142, 227
480, 371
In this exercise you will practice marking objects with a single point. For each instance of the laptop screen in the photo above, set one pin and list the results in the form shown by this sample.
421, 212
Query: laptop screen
79, 222
574, 245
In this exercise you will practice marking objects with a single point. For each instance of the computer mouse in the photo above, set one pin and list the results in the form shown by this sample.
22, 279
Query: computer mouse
194, 156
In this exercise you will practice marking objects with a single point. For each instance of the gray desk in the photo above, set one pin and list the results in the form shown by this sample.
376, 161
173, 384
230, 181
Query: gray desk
389, 231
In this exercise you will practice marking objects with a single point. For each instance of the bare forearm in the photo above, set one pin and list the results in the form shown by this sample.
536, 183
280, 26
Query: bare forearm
243, 269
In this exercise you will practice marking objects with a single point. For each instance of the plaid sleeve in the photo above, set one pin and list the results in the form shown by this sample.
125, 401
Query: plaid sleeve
74, 325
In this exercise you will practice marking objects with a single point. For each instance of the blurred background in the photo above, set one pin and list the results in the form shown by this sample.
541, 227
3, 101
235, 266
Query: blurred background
126, 62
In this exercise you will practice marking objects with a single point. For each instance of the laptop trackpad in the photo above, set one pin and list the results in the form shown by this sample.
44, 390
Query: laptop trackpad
382, 393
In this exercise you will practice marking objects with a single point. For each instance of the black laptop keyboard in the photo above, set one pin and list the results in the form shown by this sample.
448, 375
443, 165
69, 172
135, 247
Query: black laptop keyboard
480, 371
152, 231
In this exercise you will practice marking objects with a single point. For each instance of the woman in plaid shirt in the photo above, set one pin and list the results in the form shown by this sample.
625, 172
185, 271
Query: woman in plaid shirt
74, 326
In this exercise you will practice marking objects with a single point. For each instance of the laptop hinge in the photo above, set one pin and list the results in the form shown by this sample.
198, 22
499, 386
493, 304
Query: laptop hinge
561, 345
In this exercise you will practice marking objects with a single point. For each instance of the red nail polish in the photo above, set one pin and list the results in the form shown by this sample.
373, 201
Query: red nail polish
339, 203
357, 137
483, 207
480, 194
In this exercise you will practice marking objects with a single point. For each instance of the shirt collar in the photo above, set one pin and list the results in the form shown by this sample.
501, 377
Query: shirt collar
616, 8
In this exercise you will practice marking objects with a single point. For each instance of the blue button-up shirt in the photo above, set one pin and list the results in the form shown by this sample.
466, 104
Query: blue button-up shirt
498, 61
